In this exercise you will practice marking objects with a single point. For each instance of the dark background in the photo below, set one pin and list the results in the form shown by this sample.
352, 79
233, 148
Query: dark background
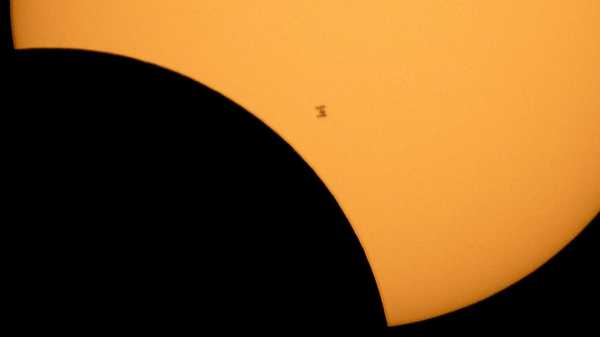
143, 200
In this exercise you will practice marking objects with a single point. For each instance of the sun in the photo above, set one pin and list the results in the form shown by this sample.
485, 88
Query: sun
459, 137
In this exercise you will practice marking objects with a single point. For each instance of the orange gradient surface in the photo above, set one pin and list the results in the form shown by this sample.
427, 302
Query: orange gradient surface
461, 137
